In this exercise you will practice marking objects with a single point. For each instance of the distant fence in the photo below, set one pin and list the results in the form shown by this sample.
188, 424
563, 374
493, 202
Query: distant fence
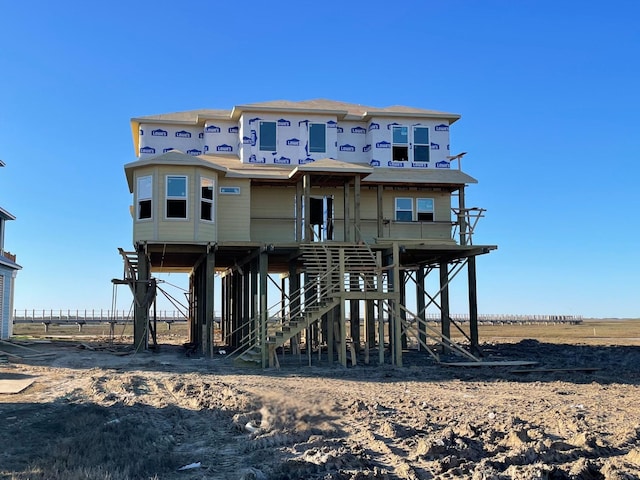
507, 319
82, 317
85, 317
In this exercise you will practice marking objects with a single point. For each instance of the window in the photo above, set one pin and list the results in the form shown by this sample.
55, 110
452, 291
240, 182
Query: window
400, 149
404, 209
421, 146
206, 199
176, 196
424, 209
144, 193
268, 136
317, 138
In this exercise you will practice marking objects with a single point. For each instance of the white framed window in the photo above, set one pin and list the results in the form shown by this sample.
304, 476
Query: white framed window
404, 209
410, 145
206, 199
268, 136
400, 143
317, 138
176, 202
144, 194
424, 210
421, 145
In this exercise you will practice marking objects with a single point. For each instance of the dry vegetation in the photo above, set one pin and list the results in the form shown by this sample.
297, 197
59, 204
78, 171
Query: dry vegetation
99, 414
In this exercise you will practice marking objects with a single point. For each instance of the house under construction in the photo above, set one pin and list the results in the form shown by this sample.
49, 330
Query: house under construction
313, 214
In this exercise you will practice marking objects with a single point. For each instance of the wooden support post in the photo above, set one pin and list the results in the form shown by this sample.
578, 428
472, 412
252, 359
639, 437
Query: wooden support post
343, 319
299, 195
191, 318
445, 321
473, 306
141, 310
356, 210
225, 310
380, 302
209, 305
347, 211
397, 327
462, 222
330, 335
263, 260
403, 301
294, 299
308, 228
255, 300
354, 313
380, 213
236, 307
420, 305
246, 302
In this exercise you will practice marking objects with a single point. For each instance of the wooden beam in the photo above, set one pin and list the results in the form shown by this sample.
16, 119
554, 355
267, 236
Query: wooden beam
141, 310
209, 302
299, 194
380, 213
356, 208
397, 327
263, 266
347, 211
308, 228
473, 306
445, 318
420, 305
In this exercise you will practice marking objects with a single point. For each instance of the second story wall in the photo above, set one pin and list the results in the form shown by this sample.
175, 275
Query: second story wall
289, 139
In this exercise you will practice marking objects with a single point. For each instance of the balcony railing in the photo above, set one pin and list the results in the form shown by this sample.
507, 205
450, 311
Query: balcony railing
7, 255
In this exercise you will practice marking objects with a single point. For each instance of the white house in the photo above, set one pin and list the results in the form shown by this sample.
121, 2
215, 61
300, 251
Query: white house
8, 270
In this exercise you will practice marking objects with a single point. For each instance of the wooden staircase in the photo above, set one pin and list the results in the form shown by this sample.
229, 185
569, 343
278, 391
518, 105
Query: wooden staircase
329, 270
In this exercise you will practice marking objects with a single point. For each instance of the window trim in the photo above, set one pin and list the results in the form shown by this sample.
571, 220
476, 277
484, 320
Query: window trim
204, 200
184, 198
415, 212
396, 209
324, 131
432, 212
395, 144
141, 199
264, 148
416, 144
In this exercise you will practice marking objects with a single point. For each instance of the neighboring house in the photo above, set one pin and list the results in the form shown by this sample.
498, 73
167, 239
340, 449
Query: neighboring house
8, 270
309, 188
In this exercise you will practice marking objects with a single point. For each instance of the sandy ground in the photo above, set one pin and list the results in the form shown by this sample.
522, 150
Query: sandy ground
100, 415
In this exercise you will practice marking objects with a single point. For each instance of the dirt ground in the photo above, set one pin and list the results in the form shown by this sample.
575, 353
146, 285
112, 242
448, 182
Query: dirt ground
112, 415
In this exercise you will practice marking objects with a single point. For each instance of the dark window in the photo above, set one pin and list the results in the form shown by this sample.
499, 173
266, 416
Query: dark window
176, 209
400, 147
268, 136
144, 209
317, 138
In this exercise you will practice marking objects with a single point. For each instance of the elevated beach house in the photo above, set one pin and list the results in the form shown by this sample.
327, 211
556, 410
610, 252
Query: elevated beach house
8, 270
336, 207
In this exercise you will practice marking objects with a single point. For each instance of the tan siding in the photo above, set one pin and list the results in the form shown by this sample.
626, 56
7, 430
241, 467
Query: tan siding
272, 214
176, 229
440, 230
233, 211
143, 231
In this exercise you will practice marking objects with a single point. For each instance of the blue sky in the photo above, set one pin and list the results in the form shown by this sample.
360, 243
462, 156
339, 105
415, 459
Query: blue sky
547, 90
